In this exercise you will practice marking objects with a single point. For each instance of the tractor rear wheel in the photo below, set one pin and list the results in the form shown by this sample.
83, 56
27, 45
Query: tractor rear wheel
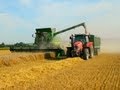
86, 54
73, 54
69, 49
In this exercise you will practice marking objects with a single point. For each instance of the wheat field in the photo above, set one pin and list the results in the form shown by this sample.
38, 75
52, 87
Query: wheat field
31, 71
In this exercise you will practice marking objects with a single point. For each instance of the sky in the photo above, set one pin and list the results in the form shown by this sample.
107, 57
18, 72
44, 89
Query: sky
20, 18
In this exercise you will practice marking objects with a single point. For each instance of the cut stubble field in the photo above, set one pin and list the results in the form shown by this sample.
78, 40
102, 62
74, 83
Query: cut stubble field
30, 71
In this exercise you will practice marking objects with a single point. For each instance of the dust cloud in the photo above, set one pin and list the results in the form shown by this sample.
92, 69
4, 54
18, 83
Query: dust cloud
110, 45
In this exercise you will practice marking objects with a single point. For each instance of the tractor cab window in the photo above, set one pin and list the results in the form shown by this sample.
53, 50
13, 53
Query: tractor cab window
80, 38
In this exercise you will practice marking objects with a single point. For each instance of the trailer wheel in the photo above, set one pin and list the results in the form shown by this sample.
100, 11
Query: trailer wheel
86, 54
96, 51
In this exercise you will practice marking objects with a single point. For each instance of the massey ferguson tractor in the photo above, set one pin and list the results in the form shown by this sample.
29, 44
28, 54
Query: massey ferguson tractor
82, 45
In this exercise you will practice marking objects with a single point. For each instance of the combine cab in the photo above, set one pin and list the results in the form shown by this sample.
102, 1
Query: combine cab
43, 38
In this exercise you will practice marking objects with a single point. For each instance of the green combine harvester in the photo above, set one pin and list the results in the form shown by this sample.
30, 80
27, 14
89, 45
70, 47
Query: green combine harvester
44, 42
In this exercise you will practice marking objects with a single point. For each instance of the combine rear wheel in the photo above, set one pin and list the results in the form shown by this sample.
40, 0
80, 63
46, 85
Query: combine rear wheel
86, 54
60, 53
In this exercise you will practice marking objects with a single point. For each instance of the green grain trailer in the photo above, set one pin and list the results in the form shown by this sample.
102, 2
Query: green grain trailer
96, 43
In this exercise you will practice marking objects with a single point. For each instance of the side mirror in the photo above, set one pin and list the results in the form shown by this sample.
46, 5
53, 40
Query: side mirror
71, 36
33, 36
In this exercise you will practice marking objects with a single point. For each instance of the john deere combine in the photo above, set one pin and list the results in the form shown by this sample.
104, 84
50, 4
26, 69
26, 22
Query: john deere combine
43, 42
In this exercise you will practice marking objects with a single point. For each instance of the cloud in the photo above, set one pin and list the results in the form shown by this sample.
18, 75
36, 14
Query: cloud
7, 21
26, 3
106, 25
14, 29
102, 17
73, 9
68, 13
21, 17
11, 22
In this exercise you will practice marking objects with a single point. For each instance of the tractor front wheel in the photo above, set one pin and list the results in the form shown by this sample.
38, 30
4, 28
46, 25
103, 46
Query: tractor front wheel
86, 54
91, 52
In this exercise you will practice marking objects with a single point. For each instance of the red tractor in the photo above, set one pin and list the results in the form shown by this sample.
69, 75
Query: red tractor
82, 45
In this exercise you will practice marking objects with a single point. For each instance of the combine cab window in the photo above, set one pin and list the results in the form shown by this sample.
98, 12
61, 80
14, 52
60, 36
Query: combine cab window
47, 36
43, 35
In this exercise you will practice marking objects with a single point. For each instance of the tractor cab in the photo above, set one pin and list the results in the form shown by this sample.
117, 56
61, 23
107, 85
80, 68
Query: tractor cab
80, 37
